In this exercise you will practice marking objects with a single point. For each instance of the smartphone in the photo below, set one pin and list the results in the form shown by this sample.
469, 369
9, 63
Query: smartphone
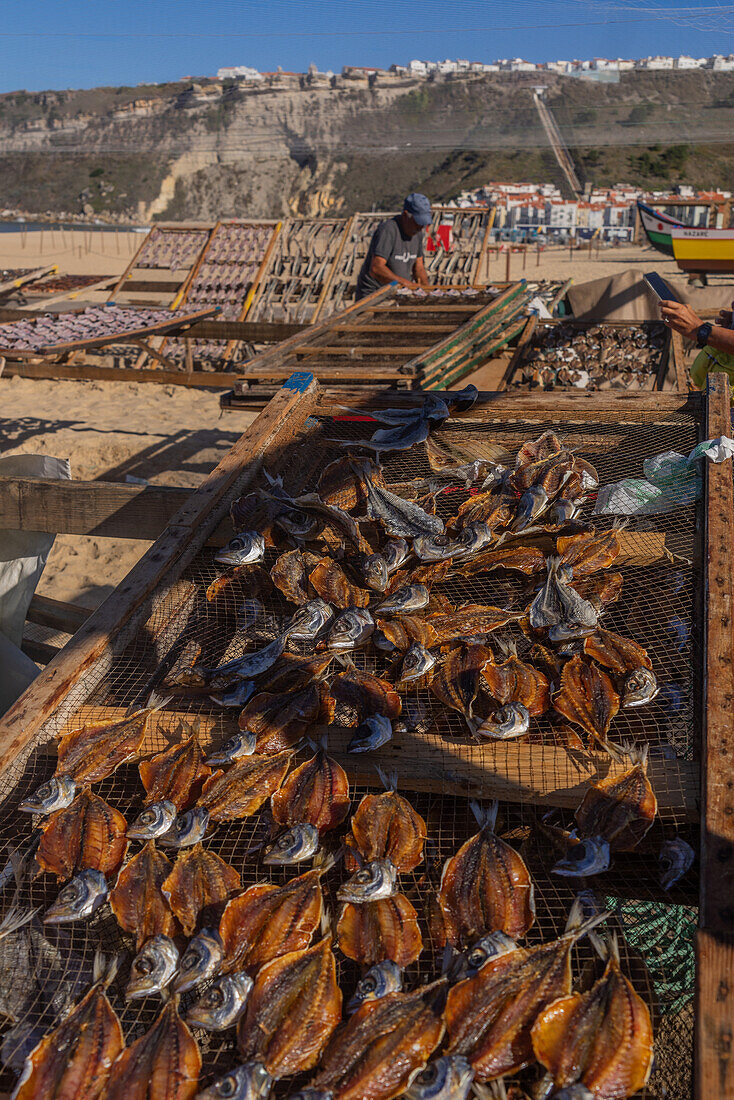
662, 290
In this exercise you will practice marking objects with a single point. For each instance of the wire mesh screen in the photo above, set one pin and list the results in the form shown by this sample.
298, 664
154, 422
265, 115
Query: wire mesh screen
438, 764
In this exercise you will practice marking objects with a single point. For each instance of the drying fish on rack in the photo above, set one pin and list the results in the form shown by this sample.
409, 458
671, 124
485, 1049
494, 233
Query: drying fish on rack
279, 721
199, 880
138, 901
163, 1064
75, 1059
373, 882
315, 793
377, 1052
417, 663
427, 574
602, 1039
600, 589
88, 834
351, 629
386, 826
290, 575
559, 609
590, 551
331, 583
366, 694
469, 620
401, 631
201, 960
268, 920
243, 788
587, 698
153, 968
372, 733
246, 548
520, 559
376, 931
222, 1004
80, 899
341, 482
175, 775
400, 518
489, 1016
296, 844
626, 658
516, 681
485, 887
457, 680
380, 979
252, 579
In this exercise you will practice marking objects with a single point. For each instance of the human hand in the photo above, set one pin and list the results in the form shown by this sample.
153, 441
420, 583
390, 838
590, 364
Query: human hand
724, 318
681, 318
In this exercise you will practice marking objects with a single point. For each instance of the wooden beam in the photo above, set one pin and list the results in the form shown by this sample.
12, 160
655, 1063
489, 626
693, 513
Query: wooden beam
88, 372
254, 332
714, 1012
364, 351
56, 614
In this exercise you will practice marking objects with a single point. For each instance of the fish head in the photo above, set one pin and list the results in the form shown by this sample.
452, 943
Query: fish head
309, 620
79, 899
374, 571
381, 979
474, 537
155, 820
495, 476
187, 829
563, 511
299, 524
488, 947
371, 733
55, 794
237, 696
222, 1003
201, 959
589, 856
510, 721
675, 858
412, 597
351, 629
152, 968
449, 1077
395, 553
248, 1082
245, 548
238, 745
640, 687
294, 845
561, 633
416, 663
372, 882
435, 547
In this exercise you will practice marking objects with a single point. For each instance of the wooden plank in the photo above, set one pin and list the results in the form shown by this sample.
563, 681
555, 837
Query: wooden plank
682, 379
332, 372
56, 614
714, 1014
88, 372
83, 662
520, 351
362, 351
475, 325
329, 280
254, 332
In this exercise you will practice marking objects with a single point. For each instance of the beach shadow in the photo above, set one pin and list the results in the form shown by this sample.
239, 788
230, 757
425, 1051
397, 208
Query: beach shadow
21, 428
196, 452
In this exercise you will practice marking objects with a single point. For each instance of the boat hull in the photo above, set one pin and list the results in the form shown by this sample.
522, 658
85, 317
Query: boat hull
703, 250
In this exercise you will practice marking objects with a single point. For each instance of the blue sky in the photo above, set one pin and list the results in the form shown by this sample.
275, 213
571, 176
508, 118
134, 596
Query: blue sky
84, 43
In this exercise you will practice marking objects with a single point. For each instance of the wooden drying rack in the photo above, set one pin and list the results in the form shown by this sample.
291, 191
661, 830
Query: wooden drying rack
60, 693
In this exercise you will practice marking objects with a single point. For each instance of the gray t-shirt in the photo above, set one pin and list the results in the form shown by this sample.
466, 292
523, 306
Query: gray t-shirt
398, 250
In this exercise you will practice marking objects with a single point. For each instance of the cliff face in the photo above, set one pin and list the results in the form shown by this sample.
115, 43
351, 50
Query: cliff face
201, 151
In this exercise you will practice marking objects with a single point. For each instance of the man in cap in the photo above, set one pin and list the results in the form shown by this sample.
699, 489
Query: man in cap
396, 249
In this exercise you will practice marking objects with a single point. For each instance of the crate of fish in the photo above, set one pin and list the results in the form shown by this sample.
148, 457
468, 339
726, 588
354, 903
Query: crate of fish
395, 792
627, 356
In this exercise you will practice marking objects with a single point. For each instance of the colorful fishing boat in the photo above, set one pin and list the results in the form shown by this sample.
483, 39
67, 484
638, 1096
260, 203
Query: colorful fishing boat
658, 227
703, 250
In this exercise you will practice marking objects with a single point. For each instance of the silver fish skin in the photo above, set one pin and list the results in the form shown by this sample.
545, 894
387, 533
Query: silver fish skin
249, 1082
299, 524
436, 548
311, 1094
400, 518
187, 829
55, 794
558, 604
155, 820
221, 1005
238, 745
395, 552
79, 899
243, 549
462, 400
573, 1092
201, 960
237, 696
350, 629
249, 664
449, 1077
152, 968
412, 597
371, 734
589, 856
383, 978
373, 571
308, 622
533, 503
571, 632
416, 663
496, 476
510, 721
675, 859
372, 882
640, 688
474, 537
293, 846
563, 511
488, 947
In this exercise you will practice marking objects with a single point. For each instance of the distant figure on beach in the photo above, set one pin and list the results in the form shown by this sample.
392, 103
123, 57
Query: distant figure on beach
396, 249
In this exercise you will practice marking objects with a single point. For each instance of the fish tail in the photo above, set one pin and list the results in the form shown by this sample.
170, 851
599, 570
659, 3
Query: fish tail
156, 702
323, 861
388, 777
577, 927
15, 918
486, 815
507, 644
325, 925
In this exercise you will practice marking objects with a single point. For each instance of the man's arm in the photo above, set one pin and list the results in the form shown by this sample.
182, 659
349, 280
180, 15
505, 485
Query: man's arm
380, 271
686, 321
419, 270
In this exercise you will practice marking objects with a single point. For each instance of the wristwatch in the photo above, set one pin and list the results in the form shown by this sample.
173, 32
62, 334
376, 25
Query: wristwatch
702, 335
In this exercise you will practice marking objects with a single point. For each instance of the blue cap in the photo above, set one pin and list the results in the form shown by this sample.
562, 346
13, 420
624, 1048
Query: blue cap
418, 207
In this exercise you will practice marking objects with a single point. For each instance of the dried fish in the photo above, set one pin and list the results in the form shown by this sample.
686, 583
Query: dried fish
447, 1078
505, 724
519, 559
516, 681
541, 448
338, 483
88, 834
367, 694
244, 549
493, 508
400, 518
558, 604
620, 808
163, 1064
79, 899
154, 821
279, 721
309, 621
382, 978
252, 579
234, 748
590, 551
176, 774
202, 959
331, 583
187, 829
640, 688
485, 887
55, 794
414, 597
675, 859
296, 844
138, 901
75, 1058
290, 575
315, 793
374, 571
199, 879
372, 733
602, 1038
470, 620
269, 920
221, 1005
242, 789
600, 589
153, 968
533, 504
95, 750
587, 698
379, 1049
374, 881
374, 931
293, 1008
250, 1082
584, 857
351, 629
395, 552
615, 652
457, 680
401, 631
386, 826
417, 662
490, 1015
436, 548
249, 665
